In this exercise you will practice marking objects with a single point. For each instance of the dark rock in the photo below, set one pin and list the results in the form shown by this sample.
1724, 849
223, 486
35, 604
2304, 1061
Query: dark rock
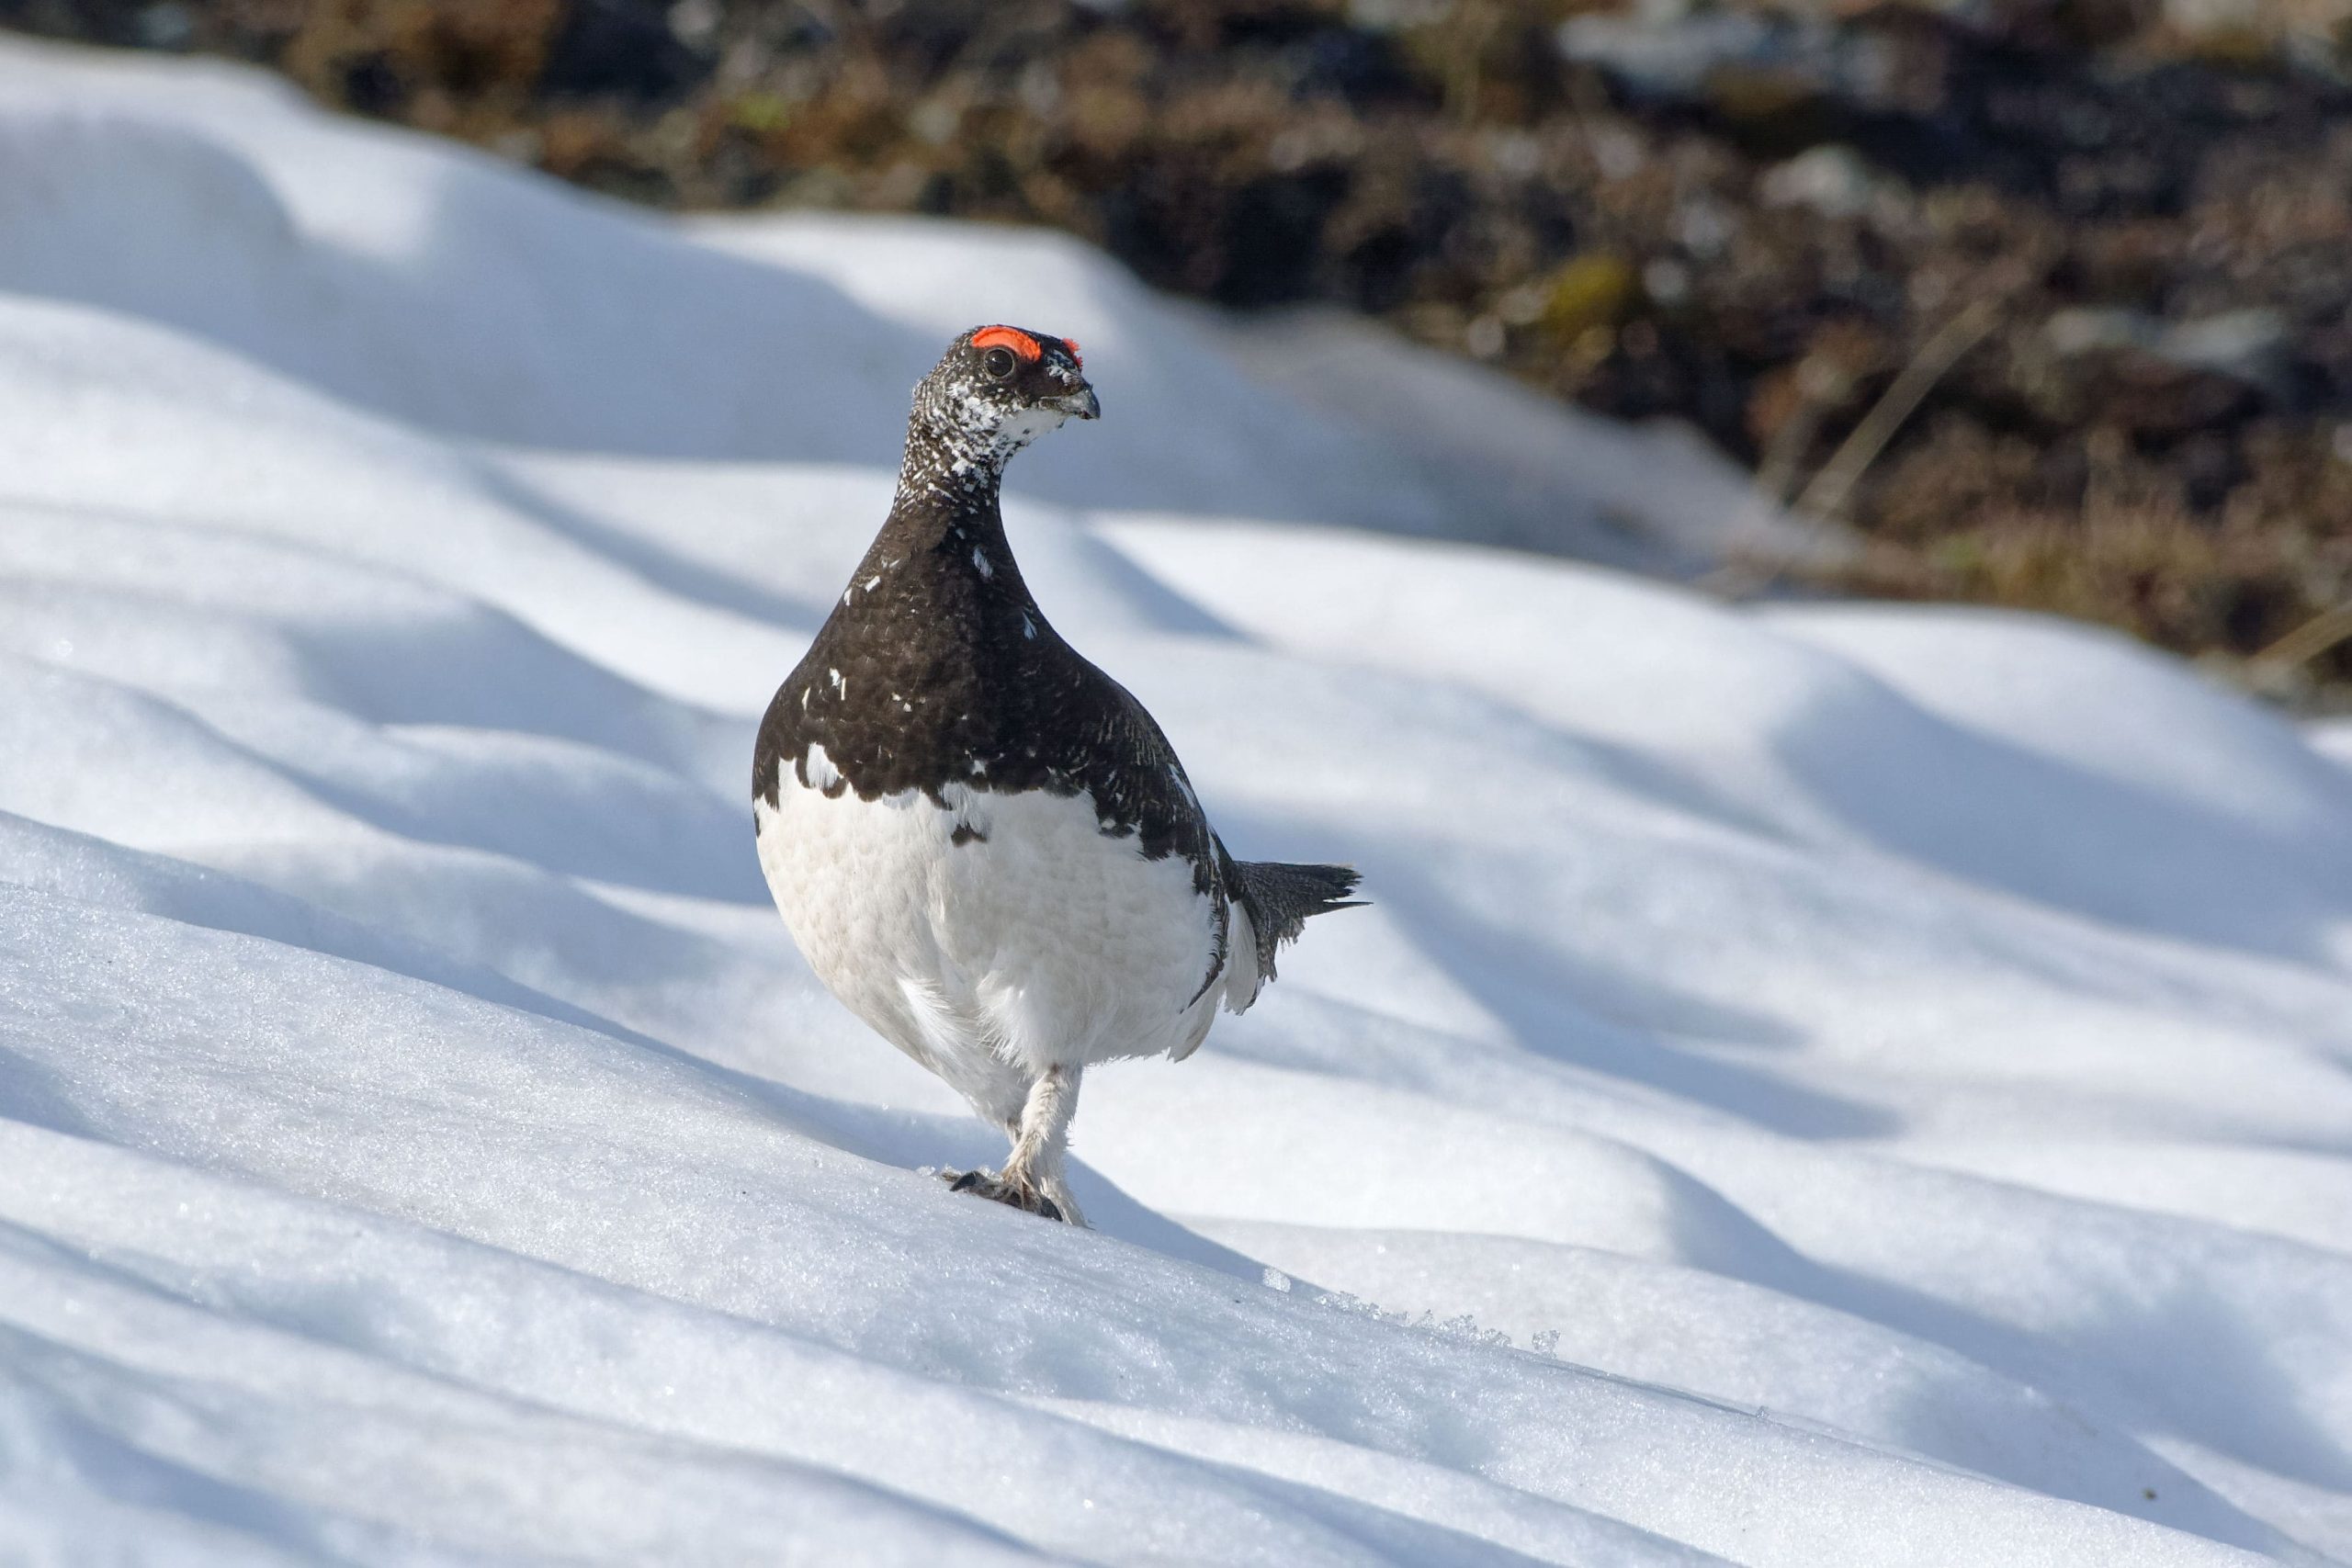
620, 49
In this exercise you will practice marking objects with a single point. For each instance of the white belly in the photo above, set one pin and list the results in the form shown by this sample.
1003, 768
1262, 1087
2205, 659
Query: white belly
1041, 943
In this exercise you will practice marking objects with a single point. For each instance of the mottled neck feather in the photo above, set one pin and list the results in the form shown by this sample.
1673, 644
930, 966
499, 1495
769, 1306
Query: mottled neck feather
957, 446
948, 488
948, 467
946, 529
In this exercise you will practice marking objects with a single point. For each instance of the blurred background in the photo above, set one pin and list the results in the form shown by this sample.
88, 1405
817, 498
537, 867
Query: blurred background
2045, 303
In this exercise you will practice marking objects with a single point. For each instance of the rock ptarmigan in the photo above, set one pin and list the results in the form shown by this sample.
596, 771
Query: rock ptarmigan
982, 844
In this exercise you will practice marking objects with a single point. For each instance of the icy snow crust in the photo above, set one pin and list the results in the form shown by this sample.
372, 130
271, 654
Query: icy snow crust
1836, 1086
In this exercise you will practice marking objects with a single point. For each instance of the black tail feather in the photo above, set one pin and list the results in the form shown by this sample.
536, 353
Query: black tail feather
1280, 899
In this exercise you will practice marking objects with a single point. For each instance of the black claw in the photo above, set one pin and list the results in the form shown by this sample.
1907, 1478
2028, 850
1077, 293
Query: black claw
981, 1184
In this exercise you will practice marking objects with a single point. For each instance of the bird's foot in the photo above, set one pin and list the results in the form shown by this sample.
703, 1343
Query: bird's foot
1016, 1193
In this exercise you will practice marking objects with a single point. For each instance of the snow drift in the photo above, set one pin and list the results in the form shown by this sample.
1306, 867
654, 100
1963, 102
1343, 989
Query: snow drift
1816, 1085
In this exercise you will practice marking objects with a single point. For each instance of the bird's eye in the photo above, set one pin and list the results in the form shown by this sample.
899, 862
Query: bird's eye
998, 362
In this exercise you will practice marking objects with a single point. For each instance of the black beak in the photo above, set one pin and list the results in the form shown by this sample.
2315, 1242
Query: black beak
1082, 404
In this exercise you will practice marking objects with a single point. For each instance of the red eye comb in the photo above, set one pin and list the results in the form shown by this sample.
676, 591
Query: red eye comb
1071, 343
1020, 343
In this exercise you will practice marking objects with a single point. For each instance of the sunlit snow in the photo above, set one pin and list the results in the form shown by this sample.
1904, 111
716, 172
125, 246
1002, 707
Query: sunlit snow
1814, 1085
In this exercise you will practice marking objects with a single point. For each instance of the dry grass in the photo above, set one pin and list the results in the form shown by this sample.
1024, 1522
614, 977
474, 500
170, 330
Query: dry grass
1448, 170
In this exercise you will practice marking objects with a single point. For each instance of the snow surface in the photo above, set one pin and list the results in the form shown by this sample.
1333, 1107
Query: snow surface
1817, 1086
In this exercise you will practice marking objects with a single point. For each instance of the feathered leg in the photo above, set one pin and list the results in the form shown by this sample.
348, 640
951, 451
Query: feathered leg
1032, 1177
1044, 1140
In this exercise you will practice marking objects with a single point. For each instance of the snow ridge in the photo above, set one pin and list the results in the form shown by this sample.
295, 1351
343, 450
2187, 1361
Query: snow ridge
1815, 1086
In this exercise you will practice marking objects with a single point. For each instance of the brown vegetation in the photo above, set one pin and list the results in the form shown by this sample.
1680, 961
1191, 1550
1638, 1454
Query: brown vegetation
1753, 218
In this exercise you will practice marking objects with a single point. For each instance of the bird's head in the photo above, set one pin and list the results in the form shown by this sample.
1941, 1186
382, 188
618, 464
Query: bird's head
997, 389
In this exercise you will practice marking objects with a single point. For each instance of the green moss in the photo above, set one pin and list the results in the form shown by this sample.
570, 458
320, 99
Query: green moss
1595, 290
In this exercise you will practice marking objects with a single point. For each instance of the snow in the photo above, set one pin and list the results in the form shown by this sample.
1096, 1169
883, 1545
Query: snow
1815, 1084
